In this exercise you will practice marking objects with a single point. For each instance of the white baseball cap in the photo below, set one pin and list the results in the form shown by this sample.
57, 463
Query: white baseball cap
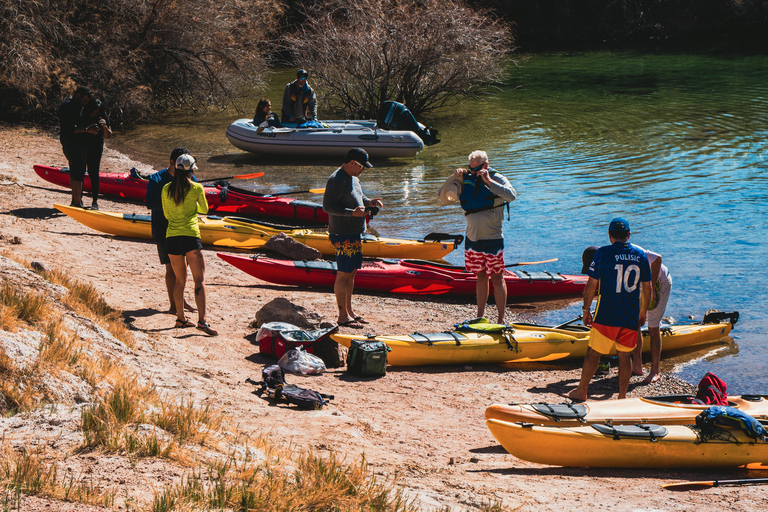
186, 163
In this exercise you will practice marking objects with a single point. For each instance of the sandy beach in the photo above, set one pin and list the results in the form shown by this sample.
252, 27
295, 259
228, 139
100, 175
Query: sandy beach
424, 425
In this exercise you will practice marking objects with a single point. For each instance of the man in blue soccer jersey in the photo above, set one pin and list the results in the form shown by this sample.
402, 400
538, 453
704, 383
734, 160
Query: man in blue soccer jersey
623, 275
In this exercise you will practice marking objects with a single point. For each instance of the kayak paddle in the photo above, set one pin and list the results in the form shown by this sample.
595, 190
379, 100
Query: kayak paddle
238, 177
529, 263
310, 191
706, 484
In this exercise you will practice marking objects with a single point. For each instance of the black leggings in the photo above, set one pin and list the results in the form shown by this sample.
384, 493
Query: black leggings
93, 163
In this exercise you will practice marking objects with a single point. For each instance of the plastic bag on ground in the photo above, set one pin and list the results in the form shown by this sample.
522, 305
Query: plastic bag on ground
299, 361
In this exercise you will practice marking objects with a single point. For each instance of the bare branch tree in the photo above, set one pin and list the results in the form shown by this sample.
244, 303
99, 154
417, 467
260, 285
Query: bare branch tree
145, 56
424, 53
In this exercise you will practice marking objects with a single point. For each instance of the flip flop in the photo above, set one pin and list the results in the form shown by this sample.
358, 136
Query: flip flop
184, 324
361, 320
573, 400
352, 324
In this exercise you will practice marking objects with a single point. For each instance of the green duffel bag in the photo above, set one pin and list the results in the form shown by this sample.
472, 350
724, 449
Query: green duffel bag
367, 358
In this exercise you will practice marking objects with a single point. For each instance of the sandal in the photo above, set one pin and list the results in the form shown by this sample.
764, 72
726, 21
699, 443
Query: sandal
361, 320
207, 329
184, 324
352, 324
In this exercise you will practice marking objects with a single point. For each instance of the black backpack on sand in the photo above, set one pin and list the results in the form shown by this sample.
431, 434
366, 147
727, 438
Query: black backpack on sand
274, 385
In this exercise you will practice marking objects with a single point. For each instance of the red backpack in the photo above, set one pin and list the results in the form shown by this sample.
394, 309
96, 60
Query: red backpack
712, 390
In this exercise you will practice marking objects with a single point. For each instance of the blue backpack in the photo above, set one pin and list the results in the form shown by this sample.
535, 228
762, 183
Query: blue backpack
731, 417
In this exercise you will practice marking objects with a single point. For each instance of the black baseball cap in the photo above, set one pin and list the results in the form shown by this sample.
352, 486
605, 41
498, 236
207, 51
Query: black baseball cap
359, 155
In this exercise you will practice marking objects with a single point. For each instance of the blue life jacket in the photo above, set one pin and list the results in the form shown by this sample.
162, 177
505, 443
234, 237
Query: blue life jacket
476, 196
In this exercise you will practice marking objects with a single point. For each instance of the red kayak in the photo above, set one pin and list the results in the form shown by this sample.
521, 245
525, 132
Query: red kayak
233, 201
411, 277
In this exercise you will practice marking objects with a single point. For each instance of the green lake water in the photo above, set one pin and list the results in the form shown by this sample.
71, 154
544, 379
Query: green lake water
674, 143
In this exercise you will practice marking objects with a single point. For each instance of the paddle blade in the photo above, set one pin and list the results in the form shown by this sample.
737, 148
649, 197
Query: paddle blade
530, 263
248, 176
317, 191
688, 486
239, 244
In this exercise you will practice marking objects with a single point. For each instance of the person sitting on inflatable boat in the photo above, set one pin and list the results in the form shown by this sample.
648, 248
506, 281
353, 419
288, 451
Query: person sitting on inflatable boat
299, 100
264, 117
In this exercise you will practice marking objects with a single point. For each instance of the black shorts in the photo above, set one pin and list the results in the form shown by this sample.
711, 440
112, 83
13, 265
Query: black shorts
162, 251
181, 245
76, 155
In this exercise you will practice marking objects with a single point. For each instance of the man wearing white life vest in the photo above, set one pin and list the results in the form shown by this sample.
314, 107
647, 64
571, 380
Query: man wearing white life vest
482, 193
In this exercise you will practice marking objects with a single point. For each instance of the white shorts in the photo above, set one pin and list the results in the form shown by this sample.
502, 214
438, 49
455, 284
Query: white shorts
655, 315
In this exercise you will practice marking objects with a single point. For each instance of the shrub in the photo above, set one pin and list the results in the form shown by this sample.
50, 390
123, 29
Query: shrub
142, 56
425, 54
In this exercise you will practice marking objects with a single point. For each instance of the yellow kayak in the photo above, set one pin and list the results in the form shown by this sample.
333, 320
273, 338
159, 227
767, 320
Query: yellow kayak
520, 343
673, 337
247, 234
600, 445
659, 410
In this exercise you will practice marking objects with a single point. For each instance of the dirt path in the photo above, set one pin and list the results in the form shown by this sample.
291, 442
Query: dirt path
423, 424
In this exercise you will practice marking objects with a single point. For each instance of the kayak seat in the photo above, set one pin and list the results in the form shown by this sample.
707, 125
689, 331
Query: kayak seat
538, 276
439, 337
315, 265
648, 431
561, 411
136, 217
298, 203
443, 237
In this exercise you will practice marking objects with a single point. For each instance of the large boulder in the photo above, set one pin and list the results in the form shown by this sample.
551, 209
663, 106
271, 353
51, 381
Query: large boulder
283, 310
291, 248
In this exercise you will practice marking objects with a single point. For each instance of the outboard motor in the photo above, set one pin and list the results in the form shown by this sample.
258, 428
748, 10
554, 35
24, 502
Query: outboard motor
395, 116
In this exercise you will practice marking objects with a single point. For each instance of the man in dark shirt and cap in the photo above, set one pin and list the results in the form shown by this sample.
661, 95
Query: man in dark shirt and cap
299, 100
345, 204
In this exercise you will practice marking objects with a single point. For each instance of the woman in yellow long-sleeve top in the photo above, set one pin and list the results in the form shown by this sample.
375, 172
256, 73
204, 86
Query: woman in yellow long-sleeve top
182, 200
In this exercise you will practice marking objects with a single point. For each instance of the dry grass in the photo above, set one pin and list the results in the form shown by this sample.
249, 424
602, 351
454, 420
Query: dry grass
27, 307
187, 422
82, 298
26, 471
313, 483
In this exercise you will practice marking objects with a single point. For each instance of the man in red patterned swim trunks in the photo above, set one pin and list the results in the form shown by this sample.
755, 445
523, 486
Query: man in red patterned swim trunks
482, 193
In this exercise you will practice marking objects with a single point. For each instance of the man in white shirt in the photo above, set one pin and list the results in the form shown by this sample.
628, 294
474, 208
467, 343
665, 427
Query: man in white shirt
661, 285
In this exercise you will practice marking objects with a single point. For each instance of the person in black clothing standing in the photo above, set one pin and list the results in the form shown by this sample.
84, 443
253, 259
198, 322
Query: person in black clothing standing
95, 117
72, 143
